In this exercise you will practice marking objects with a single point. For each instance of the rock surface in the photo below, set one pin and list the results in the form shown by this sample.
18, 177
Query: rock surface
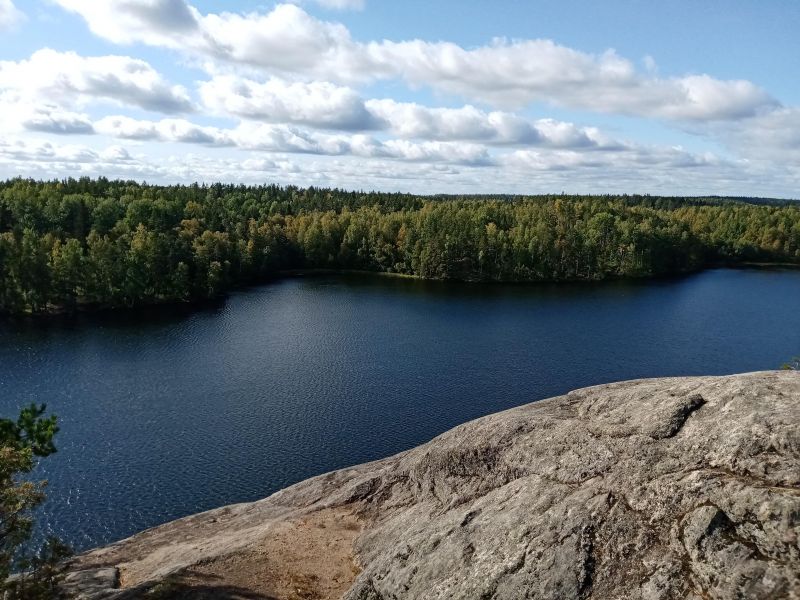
679, 488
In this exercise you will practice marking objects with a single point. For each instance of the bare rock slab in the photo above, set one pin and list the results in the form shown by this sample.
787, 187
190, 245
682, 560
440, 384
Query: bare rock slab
676, 488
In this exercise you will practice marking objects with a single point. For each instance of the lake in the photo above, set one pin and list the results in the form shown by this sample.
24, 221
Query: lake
166, 412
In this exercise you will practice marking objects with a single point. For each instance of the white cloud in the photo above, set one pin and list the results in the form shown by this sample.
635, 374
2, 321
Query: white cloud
259, 164
281, 138
645, 170
341, 4
325, 105
43, 159
286, 39
283, 83
55, 120
167, 23
10, 15
56, 77
773, 136
165, 130
19, 113
631, 158
115, 154
706, 98
563, 146
319, 104
455, 153
518, 73
504, 73
411, 120
38, 150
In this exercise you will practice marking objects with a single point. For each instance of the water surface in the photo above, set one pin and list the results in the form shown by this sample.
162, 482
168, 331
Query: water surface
168, 412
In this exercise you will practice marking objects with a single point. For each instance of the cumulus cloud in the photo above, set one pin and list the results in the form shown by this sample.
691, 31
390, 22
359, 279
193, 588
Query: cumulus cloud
566, 149
286, 39
292, 38
38, 150
632, 157
319, 104
259, 164
281, 138
411, 120
286, 90
116, 154
24, 114
55, 120
327, 106
55, 77
165, 130
10, 15
773, 136
156, 22
517, 73
504, 73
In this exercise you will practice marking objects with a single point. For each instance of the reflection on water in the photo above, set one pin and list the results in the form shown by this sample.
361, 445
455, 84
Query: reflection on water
168, 411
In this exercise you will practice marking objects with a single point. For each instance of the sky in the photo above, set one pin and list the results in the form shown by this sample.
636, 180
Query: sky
445, 96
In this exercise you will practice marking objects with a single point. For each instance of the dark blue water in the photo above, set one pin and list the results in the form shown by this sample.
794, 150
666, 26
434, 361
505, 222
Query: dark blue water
165, 413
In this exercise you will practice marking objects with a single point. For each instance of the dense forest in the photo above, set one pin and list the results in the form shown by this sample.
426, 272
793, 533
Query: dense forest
64, 244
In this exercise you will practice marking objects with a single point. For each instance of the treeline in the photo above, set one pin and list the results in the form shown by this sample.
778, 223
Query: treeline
119, 243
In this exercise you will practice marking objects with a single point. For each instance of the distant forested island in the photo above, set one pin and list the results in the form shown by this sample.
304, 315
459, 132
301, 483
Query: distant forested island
94, 242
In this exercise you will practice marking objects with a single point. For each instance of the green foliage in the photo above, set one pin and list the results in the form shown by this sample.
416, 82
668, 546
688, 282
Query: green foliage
31, 431
39, 577
119, 243
21, 442
792, 365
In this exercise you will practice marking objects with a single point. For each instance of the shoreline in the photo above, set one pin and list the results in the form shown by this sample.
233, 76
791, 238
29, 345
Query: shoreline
193, 304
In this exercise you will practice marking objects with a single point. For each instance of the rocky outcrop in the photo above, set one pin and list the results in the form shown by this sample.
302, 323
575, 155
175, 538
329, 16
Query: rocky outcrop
684, 488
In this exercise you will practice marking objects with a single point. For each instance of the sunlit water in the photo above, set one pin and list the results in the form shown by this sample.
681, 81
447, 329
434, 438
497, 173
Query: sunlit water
168, 412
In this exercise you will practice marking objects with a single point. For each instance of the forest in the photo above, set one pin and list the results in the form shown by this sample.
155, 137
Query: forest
93, 242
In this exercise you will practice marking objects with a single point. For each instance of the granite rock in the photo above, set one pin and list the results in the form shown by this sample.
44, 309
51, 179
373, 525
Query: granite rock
658, 489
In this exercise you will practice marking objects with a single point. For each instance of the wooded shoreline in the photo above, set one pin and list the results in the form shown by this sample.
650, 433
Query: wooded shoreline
75, 245
189, 304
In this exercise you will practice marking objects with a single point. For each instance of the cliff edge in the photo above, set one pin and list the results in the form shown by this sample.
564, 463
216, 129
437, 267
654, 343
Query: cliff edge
676, 488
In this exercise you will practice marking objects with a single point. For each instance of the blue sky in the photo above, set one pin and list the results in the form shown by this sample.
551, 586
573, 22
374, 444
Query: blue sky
520, 96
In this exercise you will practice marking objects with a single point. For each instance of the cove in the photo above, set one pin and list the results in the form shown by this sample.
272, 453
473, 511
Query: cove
168, 411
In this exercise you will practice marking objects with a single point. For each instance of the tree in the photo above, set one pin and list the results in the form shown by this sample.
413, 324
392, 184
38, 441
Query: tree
34, 268
68, 272
21, 443
117, 243
792, 365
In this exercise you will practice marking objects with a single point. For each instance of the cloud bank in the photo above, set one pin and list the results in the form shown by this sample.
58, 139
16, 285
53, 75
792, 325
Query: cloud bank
505, 73
284, 93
